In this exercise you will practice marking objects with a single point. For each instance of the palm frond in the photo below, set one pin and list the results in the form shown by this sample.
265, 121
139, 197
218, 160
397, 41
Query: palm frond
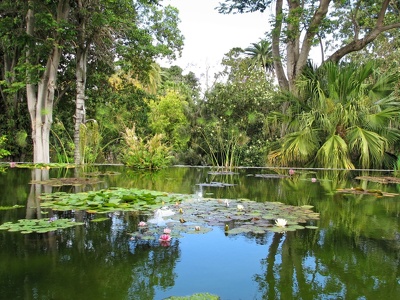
334, 154
369, 145
300, 146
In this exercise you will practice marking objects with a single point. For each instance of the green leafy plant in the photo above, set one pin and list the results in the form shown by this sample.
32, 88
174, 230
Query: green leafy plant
145, 154
39, 225
396, 171
223, 145
62, 144
3, 152
90, 141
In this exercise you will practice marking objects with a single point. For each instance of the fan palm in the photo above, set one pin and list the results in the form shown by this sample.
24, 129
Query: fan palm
343, 119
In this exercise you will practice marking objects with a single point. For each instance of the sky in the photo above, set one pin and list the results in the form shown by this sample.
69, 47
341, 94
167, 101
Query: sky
209, 35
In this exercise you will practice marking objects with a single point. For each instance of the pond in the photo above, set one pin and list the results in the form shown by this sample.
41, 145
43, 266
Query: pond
351, 251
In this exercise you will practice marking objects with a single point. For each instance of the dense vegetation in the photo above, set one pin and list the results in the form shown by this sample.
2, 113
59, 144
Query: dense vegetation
80, 83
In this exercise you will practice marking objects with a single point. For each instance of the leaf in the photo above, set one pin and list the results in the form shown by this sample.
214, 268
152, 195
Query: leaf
311, 227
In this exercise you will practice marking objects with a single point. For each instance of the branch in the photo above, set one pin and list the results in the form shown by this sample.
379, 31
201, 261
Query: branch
312, 31
359, 44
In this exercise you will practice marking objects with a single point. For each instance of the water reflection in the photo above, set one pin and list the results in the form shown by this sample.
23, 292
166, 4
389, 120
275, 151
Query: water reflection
354, 253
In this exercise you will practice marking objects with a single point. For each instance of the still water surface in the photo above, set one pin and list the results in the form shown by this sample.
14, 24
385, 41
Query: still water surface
354, 253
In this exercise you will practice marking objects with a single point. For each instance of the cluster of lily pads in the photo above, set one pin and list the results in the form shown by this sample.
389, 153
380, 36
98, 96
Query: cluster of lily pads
180, 213
26, 226
246, 216
108, 201
236, 216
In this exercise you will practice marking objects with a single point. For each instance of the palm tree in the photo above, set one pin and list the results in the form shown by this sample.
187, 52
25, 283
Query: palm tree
341, 119
261, 55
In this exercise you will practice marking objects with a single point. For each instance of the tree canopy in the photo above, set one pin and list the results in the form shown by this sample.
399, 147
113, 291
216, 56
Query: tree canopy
339, 27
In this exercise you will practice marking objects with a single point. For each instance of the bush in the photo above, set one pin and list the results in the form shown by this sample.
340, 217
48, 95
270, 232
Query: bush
150, 154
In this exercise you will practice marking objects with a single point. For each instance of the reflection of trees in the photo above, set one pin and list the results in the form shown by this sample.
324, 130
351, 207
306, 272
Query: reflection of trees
95, 261
320, 264
154, 267
33, 204
355, 252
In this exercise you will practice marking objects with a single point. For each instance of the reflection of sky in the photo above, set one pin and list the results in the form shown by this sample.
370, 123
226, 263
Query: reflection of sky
217, 264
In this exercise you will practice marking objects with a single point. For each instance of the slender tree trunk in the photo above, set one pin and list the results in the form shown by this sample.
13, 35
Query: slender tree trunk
40, 96
80, 111
82, 52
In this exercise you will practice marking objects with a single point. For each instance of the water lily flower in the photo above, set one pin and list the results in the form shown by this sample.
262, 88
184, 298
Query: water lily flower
280, 222
291, 172
240, 207
197, 228
167, 230
142, 224
165, 238
13, 164
226, 202
313, 179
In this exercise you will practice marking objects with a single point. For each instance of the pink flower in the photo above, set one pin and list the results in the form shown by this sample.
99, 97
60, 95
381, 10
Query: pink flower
13, 164
142, 224
313, 179
291, 172
165, 238
167, 230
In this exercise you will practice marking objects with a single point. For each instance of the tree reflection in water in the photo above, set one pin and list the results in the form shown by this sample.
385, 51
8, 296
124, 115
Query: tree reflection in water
354, 253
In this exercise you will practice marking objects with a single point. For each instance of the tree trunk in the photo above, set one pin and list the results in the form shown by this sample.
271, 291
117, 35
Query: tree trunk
278, 67
40, 96
80, 111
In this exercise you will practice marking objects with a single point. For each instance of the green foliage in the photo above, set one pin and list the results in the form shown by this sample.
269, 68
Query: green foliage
141, 154
3, 152
261, 55
63, 145
230, 130
342, 117
167, 117
201, 296
26, 226
396, 167
105, 201
90, 142
223, 144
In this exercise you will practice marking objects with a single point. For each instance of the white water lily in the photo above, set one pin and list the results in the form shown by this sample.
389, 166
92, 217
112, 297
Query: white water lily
280, 222
240, 207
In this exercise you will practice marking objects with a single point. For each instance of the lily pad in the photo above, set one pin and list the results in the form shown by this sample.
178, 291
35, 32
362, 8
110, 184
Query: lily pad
100, 219
109, 200
311, 227
10, 207
26, 226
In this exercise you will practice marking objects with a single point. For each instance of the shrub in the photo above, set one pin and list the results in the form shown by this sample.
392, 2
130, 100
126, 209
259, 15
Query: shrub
142, 154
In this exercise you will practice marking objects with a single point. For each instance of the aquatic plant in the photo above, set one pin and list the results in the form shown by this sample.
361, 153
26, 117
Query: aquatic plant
39, 225
280, 222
